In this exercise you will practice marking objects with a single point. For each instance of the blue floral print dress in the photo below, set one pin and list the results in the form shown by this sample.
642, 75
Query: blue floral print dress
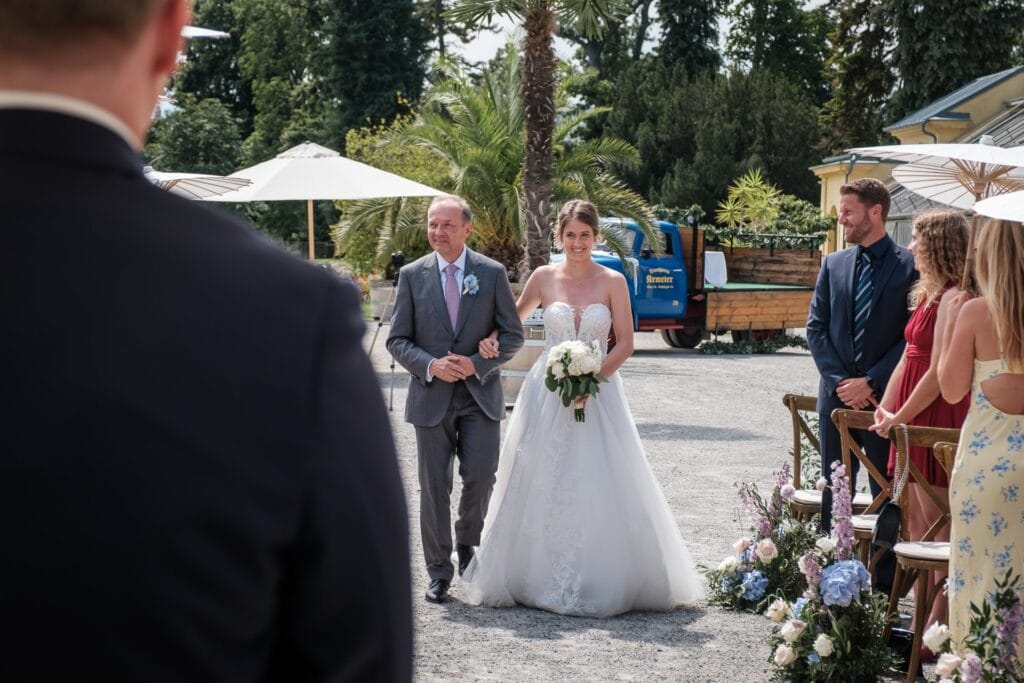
986, 496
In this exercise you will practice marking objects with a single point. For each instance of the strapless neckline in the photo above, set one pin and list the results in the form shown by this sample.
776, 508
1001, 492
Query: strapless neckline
583, 314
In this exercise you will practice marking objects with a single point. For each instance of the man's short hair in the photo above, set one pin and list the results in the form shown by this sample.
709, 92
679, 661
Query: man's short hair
467, 213
870, 191
37, 27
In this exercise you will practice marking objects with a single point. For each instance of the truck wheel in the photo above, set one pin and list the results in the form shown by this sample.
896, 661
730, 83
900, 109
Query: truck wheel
669, 338
755, 335
689, 337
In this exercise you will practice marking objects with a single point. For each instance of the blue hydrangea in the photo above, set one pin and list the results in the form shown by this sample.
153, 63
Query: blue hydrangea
842, 582
727, 583
797, 608
754, 585
813, 658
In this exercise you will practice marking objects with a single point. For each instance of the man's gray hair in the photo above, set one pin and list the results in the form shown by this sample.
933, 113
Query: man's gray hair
38, 27
467, 213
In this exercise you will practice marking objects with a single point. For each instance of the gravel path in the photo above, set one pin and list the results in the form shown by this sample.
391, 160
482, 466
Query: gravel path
706, 423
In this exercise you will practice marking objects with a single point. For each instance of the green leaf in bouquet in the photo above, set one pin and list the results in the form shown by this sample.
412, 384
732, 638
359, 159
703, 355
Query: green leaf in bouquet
550, 382
566, 399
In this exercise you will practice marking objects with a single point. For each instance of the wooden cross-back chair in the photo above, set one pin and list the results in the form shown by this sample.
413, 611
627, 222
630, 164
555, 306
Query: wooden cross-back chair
865, 508
915, 560
805, 502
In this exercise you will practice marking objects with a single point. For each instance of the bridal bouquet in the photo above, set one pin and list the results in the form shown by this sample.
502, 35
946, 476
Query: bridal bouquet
764, 565
990, 650
833, 632
574, 371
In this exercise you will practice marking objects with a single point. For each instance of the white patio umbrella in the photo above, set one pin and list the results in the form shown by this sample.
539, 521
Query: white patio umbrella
955, 174
195, 185
197, 32
311, 172
1008, 207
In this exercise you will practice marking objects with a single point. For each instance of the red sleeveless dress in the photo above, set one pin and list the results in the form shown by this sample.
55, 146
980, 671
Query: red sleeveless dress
920, 334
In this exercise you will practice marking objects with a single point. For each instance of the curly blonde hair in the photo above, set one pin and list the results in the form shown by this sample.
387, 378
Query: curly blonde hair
999, 264
940, 254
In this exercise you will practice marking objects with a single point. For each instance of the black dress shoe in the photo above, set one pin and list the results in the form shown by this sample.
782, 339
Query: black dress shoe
465, 555
438, 590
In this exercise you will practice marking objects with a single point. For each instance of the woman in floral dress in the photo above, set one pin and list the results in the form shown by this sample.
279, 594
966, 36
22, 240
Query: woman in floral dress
985, 357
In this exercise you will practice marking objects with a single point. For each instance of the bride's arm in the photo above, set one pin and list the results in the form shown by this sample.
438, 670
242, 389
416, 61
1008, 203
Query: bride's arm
622, 324
529, 300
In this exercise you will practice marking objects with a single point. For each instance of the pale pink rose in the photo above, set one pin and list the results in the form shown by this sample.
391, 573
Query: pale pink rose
778, 610
784, 655
741, 545
787, 492
936, 636
766, 550
820, 484
823, 645
792, 629
948, 664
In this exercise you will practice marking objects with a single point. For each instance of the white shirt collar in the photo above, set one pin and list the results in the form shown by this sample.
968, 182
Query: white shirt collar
460, 262
62, 104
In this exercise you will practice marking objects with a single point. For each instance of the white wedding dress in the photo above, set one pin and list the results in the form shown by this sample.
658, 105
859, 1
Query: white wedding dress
577, 523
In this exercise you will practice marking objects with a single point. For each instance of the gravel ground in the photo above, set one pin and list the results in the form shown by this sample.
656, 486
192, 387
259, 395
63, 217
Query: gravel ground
707, 422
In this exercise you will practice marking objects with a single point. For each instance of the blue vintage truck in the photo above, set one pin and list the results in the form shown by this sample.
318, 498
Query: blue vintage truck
766, 290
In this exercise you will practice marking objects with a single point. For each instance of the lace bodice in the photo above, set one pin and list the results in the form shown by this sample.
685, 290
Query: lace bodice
560, 324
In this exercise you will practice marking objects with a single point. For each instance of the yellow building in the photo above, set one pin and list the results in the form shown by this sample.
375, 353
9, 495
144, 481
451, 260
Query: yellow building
990, 105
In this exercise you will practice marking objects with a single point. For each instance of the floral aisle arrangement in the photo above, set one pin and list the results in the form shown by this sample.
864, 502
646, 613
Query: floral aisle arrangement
833, 632
764, 565
574, 371
990, 650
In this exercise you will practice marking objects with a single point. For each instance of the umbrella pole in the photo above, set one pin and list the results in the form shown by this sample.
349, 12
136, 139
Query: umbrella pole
309, 221
965, 279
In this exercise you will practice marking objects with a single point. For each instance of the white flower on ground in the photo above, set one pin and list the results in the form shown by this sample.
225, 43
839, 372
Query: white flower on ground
784, 655
823, 645
947, 665
792, 629
728, 564
766, 550
825, 544
778, 610
741, 545
820, 484
936, 636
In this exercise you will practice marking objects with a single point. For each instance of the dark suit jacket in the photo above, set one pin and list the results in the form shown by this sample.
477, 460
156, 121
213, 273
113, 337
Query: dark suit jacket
830, 322
421, 331
197, 477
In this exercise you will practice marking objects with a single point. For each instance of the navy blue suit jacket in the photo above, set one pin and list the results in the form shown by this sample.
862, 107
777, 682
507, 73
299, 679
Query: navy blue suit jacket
197, 476
830, 321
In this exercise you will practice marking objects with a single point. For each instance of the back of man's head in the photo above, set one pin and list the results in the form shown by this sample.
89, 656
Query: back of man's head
35, 28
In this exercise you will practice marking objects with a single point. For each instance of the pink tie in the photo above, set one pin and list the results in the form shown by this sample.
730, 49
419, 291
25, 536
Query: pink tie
451, 293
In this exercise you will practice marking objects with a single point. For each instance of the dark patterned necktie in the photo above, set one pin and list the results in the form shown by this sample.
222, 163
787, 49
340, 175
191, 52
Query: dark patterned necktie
862, 305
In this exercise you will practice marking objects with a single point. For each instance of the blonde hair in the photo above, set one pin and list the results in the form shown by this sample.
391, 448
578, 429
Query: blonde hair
940, 254
999, 264
38, 27
580, 210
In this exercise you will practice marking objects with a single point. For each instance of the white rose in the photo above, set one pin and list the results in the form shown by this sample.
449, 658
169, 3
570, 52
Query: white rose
784, 655
947, 665
766, 550
594, 364
558, 370
936, 636
778, 610
787, 491
825, 544
728, 564
823, 645
741, 545
792, 629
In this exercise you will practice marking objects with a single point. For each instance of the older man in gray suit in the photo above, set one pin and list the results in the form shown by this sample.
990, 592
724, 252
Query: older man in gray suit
446, 303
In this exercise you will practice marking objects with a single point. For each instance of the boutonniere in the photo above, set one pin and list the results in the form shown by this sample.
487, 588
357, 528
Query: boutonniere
470, 285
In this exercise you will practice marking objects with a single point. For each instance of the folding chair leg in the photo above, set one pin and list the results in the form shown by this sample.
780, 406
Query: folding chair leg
921, 609
892, 612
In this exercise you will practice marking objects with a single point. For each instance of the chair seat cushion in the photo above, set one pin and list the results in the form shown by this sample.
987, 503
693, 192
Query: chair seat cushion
933, 551
807, 497
863, 522
862, 500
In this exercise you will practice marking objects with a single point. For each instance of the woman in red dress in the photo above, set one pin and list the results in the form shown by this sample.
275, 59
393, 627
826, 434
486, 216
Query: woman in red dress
939, 246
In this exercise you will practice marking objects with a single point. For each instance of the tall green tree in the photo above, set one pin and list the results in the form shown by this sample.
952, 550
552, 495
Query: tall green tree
201, 136
942, 45
689, 33
780, 36
859, 73
540, 22
442, 30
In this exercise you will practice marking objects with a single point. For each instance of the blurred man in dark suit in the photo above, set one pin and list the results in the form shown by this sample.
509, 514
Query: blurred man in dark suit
197, 476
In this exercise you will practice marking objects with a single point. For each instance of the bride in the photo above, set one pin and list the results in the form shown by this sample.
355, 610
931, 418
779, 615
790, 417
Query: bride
577, 523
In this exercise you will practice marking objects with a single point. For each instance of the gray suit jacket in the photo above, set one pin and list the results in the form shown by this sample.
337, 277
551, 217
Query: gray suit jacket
421, 332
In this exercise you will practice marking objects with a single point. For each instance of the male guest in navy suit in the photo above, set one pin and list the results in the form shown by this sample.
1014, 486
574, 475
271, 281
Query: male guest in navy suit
855, 326
197, 476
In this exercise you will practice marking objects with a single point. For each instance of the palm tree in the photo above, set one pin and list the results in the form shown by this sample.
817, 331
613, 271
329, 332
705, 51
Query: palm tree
477, 131
539, 68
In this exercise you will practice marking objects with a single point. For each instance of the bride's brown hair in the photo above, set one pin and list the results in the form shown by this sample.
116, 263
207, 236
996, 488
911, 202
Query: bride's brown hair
580, 210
